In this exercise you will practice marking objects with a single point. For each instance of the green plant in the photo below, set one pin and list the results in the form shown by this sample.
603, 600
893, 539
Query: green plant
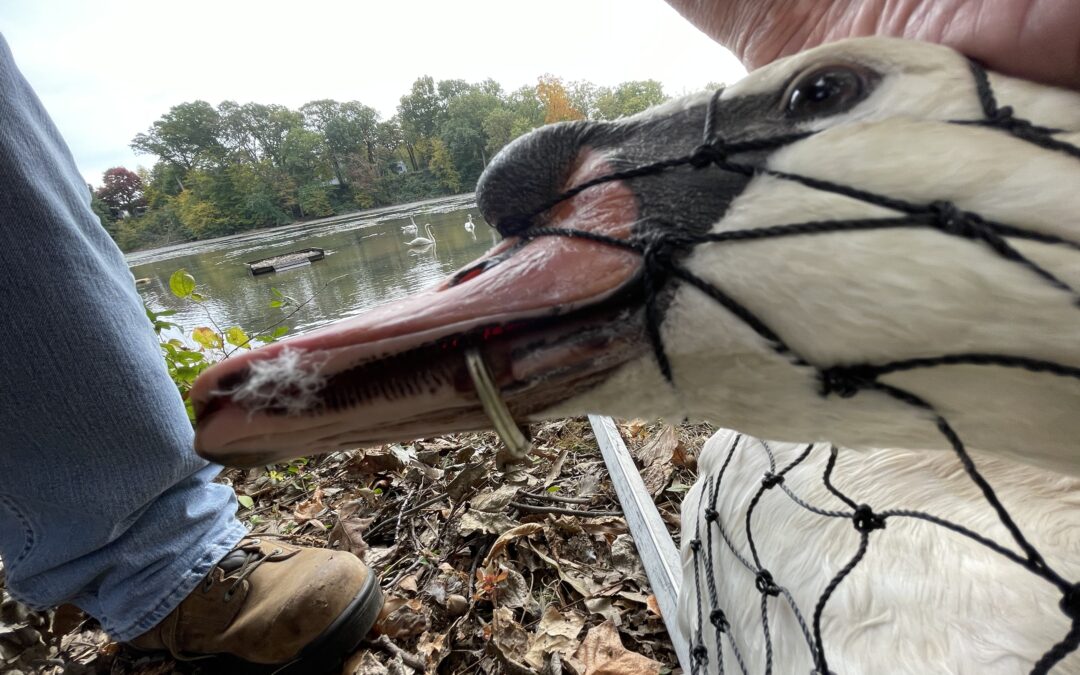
212, 344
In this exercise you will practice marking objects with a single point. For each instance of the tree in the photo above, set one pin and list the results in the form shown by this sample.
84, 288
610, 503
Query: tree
442, 167
629, 98
464, 134
121, 190
186, 136
553, 95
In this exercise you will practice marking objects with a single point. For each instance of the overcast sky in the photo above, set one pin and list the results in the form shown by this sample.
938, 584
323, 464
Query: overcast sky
106, 70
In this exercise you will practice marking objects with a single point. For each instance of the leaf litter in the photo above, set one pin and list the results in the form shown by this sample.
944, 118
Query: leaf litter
531, 571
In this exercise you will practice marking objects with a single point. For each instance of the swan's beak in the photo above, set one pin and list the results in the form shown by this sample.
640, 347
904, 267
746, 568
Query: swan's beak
551, 317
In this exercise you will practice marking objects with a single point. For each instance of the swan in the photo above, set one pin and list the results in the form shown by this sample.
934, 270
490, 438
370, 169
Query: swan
469, 226
410, 229
760, 324
423, 241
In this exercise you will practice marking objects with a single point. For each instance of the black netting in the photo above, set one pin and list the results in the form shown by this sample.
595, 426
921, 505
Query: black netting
661, 253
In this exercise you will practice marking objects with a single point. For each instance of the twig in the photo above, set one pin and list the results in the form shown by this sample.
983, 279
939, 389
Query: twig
407, 512
533, 508
559, 498
408, 658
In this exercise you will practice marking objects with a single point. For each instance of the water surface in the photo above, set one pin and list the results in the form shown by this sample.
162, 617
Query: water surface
368, 263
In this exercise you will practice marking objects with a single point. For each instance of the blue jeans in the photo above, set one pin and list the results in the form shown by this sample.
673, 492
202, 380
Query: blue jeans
103, 502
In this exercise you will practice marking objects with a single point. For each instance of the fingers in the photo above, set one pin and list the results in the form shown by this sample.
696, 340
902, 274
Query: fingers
1035, 39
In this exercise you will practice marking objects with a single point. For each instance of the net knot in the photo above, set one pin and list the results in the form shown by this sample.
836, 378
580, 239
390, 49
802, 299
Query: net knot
952, 220
1070, 602
711, 515
700, 654
695, 545
866, 520
765, 584
708, 153
771, 480
845, 381
718, 619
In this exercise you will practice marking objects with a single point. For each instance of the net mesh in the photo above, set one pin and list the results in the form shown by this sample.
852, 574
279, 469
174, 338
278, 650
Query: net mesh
661, 250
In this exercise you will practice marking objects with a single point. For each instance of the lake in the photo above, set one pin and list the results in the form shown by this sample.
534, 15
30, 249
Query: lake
368, 263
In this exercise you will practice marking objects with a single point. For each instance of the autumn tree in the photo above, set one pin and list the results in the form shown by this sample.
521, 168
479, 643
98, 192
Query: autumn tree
556, 101
121, 190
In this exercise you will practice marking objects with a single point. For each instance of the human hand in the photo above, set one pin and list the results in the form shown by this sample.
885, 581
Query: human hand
1034, 39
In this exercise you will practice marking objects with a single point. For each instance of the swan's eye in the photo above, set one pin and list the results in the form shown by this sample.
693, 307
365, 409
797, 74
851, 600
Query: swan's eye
826, 91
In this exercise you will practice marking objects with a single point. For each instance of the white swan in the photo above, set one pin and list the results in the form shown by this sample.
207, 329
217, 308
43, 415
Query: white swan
469, 226
756, 334
423, 241
410, 229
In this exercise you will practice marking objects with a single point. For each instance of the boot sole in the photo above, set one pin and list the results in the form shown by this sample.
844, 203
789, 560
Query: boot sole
328, 651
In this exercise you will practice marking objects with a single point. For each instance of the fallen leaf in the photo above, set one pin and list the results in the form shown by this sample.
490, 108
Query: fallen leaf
363, 662
487, 512
653, 606
602, 653
309, 509
408, 583
512, 590
432, 647
510, 535
376, 461
507, 634
659, 449
401, 618
466, 479
348, 532
625, 558
557, 632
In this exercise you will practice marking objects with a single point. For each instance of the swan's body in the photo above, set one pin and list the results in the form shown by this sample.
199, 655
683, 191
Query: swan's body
410, 229
423, 241
574, 337
470, 227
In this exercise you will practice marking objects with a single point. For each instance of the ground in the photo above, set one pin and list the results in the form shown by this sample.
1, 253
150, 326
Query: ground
531, 571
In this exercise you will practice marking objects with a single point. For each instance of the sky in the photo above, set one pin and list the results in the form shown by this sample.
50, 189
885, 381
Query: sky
106, 70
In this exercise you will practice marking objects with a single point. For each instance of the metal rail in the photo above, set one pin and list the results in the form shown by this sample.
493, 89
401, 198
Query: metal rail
658, 554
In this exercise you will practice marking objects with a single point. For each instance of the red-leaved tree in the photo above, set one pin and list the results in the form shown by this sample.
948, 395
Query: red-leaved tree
121, 189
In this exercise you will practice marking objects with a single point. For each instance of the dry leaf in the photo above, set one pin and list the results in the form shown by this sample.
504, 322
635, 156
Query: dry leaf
507, 634
602, 653
363, 662
309, 509
487, 512
408, 584
401, 618
660, 447
557, 632
432, 647
347, 534
465, 480
654, 606
510, 535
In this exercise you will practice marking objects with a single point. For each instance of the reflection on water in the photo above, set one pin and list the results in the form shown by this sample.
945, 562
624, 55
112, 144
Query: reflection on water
368, 262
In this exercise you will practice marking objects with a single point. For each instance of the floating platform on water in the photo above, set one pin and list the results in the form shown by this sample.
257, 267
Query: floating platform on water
285, 261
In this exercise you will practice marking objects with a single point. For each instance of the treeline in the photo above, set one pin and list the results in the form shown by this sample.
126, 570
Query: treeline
235, 167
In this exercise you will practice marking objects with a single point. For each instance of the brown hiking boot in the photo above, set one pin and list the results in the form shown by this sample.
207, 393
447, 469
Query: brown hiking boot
296, 610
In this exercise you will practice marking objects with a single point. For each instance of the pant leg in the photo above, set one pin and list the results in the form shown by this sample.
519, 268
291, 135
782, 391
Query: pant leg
103, 502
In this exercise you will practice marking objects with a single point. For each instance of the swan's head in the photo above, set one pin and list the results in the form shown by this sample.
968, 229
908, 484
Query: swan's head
738, 332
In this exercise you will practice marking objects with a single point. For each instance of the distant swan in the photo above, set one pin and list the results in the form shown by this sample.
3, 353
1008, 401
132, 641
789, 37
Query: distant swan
409, 229
423, 241
469, 226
